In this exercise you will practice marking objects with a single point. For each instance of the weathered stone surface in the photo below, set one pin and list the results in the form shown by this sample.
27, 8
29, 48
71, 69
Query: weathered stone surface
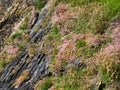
33, 17
37, 68
74, 63
23, 71
12, 10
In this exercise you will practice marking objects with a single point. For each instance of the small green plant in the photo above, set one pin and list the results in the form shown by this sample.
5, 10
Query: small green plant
24, 27
49, 37
25, 24
89, 51
2, 64
55, 30
116, 74
21, 47
39, 3
54, 34
104, 75
71, 80
114, 8
80, 43
78, 2
46, 84
16, 35
110, 68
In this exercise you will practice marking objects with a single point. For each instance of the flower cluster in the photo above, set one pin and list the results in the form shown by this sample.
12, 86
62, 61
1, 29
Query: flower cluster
114, 48
68, 49
12, 49
59, 14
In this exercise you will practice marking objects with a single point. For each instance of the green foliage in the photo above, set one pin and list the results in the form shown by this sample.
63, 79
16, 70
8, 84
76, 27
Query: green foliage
81, 24
46, 84
89, 51
55, 30
2, 64
113, 4
90, 21
21, 47
110, 9
72, 80
77, 2
63, 65
54, 34
25, 24
80, 43
114, 8
104, 75
24, 27
39, 3
31, 51
110, 72
116, 74
94, 20
16, 35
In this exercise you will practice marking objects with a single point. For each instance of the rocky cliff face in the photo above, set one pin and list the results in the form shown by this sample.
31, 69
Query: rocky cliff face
24, 72
11, 12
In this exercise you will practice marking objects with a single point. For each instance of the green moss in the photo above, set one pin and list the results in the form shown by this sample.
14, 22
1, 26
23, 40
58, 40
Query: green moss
45, 22
37, 28
31, 51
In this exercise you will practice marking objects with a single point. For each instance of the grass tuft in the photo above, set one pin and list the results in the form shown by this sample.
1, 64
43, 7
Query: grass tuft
39, 3
16, 35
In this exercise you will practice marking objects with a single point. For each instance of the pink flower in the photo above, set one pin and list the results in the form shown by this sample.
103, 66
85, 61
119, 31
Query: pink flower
12, 50
66, 50
59, 14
